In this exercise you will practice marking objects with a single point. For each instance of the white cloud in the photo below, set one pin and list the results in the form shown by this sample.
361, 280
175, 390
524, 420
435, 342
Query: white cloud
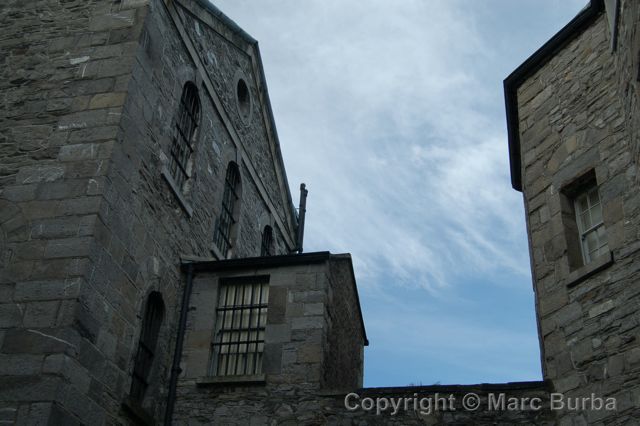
387, 110
365, 93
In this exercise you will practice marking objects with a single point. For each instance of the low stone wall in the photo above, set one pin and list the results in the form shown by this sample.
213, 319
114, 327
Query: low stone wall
523, 403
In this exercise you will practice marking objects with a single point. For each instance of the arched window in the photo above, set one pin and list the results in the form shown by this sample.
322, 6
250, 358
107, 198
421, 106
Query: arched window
267, 242
230, 210
153, 314
184, 133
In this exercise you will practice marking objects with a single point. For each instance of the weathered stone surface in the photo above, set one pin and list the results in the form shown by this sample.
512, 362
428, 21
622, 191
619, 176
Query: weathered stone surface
578, 113
91, 95
89, 227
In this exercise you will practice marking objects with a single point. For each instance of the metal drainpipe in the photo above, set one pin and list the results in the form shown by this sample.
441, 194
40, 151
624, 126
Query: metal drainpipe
175, 367
302, 210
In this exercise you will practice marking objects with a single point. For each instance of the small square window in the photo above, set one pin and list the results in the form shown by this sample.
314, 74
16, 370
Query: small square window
593, 238
238, 345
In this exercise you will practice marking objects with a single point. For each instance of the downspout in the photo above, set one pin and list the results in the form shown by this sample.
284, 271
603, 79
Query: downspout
302, 210
175, 367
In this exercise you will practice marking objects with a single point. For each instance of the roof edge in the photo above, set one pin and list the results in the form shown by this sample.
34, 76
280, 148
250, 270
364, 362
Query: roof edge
486, 387
254, 262
532, 64
198, 264
236, 29
226, 20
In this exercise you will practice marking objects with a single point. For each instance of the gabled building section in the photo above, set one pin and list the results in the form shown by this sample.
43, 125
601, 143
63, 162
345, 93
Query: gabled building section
122, 155
229, 61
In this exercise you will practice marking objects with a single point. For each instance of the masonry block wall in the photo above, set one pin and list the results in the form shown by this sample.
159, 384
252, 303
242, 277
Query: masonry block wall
313, 345
64, 81
574, 116
627, 60
343, 349
307, 338
89, 225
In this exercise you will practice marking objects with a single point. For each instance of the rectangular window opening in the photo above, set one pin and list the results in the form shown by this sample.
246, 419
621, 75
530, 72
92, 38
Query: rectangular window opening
593, 239
241, 316
582, 217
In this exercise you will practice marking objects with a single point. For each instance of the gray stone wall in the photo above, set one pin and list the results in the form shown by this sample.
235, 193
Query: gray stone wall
572, 121
89, 227
259, 405
627, 62
227, 54
308, 350
313, 360
227, 62
65, 72
490, 411
343, 349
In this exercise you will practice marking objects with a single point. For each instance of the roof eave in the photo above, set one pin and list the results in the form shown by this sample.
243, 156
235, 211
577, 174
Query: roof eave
576, 26
197, 264
236, 29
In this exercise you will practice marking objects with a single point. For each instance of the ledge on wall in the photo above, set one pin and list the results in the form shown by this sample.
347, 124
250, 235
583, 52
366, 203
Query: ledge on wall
176, 191
258, 379
598, 264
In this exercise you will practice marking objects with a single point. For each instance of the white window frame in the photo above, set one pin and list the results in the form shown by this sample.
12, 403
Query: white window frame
584, 231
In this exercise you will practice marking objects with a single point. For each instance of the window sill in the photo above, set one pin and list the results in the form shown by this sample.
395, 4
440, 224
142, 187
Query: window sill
176, 191
135, 411
216, 253
258, 379
598, 264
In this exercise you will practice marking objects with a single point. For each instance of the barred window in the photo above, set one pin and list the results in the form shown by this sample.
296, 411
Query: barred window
593, 237
184, 133
229, 212
154, 312
267, 242
238, 345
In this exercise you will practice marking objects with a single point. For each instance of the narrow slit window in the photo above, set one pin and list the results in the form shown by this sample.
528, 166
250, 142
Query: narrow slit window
229, 212
184, 134
154, 312
238, 345
267, 242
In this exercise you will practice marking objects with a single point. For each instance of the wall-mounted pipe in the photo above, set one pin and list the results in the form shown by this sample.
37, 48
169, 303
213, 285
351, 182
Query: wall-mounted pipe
175, 367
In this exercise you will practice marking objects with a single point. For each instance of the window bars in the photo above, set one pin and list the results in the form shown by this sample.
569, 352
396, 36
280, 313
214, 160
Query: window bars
238, 345
226, 220
186, 123
154, 311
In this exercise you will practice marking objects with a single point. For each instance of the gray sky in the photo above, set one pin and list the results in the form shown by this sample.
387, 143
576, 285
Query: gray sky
392, 113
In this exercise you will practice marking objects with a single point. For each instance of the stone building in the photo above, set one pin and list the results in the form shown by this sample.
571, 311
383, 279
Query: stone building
151, 265
133, 133
573, 120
